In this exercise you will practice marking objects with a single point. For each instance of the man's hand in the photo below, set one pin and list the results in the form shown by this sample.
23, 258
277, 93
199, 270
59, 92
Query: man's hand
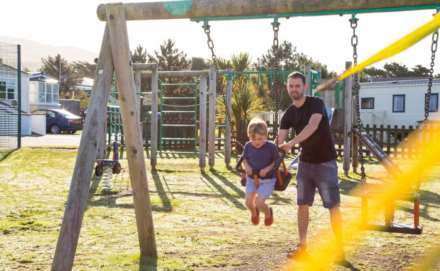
287, 147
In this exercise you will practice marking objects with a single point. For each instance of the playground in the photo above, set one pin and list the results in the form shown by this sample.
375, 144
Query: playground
200, 220
153, 184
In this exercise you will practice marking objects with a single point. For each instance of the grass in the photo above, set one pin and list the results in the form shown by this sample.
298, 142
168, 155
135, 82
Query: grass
200, 219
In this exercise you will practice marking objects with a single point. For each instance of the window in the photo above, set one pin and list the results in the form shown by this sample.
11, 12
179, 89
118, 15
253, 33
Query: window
48, 93
41, 92
367, 103
11, 93
55, 92
398, 103
2, 90
433, 102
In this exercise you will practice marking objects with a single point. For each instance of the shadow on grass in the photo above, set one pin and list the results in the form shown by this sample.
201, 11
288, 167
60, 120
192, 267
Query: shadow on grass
166, 202
5, 154
110, 200
223, 191
228, 183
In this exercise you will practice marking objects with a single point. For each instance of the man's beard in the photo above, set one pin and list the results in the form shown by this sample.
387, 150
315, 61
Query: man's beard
296, 96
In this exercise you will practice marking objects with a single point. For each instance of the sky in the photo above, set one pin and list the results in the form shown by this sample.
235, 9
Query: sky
325, 38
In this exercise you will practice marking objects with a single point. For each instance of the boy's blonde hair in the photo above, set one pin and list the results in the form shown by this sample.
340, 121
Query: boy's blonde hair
257, 126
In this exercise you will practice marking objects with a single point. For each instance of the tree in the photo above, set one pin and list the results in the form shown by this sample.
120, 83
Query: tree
288, 58
244, 95
396, 70
58, 68
199, 63
139, 55
170, 58
420, 71
85, 69
375, 72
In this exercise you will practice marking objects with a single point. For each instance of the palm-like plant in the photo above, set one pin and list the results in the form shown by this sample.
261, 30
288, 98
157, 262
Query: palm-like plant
244, 96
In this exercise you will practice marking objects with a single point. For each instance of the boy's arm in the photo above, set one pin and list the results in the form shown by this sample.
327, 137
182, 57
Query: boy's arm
264, 171
248, 169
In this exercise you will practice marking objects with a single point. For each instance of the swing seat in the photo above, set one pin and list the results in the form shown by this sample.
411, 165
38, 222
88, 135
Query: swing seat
282, 175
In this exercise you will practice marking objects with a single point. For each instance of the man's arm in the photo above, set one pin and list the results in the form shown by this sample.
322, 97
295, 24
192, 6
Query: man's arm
282, 136
310, 128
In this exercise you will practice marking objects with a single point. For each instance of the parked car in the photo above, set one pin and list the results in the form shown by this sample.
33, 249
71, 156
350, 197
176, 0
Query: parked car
61, 120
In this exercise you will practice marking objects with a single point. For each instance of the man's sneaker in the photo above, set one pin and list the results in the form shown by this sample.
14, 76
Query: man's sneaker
255, 219
269, 220
299, 251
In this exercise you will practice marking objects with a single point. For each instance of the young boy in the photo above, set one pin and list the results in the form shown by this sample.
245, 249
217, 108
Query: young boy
259, 156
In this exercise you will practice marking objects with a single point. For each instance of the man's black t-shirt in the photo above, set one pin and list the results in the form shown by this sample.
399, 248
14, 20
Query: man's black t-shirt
319, 147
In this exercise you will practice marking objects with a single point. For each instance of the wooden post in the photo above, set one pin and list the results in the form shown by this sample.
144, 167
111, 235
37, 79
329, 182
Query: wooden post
154, 120
80, 183
135, 153
348, 109
202, 121
228, 128
212, 97
137, 80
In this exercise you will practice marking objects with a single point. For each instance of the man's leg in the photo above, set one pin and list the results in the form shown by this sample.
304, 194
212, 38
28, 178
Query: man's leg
303, 223
336, 221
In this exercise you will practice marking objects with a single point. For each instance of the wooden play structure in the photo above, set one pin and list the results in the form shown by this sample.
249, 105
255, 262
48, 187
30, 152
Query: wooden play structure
114, 58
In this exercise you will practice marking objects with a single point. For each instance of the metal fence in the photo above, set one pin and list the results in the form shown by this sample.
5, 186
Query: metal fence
10, 97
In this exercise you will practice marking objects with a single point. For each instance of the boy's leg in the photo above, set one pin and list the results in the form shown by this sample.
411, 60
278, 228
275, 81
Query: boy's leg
250, 202
251, 194
263, 192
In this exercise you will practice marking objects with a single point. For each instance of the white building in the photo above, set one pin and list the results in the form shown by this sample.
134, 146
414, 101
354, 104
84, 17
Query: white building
37, 92
44, 92
397, 101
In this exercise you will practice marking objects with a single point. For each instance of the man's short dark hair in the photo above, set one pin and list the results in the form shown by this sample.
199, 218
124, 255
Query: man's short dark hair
297, 75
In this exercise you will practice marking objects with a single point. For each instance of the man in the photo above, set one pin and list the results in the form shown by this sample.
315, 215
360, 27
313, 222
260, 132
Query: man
317, 167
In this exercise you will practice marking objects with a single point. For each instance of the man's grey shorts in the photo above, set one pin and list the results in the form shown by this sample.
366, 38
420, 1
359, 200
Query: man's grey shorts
323, 176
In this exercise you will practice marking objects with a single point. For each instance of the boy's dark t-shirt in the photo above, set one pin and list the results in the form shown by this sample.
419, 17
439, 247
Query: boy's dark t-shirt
319, 147
259, 158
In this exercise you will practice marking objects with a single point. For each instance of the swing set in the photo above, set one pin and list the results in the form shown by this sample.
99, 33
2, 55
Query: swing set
115, 59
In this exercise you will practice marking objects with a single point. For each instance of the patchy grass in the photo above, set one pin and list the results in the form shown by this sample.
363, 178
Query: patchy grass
200, 219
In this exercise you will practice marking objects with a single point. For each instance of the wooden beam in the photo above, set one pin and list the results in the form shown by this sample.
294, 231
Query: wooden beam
348, 112
227, 9
228, 128
135, 153
212, 99
85, 160
202, 121
154, 116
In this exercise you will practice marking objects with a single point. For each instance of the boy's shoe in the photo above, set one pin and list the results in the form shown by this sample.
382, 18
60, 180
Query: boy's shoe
299, 252
269, 220
255, 219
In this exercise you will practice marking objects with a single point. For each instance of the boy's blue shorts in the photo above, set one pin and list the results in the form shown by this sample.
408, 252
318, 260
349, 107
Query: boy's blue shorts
264, 190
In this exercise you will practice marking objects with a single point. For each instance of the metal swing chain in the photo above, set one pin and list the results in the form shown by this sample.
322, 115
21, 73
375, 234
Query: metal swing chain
207, 29
275, 45
434, 46
356, 91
